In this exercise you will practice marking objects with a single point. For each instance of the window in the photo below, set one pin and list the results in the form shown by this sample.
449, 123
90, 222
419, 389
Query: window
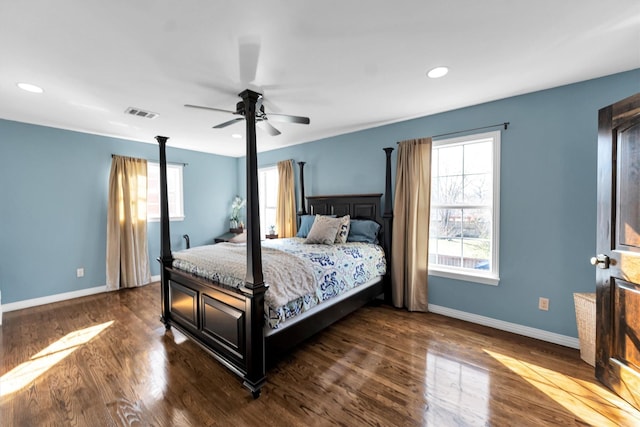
268, 193
463, 229
174, 192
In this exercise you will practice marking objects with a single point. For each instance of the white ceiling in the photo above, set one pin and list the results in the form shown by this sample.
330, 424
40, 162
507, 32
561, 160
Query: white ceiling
348, 65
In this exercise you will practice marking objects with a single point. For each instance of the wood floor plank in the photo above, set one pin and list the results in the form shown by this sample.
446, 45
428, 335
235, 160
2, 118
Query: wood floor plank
379, 366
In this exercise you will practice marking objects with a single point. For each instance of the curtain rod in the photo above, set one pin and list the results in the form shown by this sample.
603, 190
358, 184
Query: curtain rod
151, 160
505, 124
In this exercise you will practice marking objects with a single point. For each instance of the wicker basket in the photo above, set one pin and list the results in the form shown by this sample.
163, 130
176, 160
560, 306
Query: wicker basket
586, 318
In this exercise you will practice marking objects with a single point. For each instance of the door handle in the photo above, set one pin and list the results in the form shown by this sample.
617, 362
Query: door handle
600, 261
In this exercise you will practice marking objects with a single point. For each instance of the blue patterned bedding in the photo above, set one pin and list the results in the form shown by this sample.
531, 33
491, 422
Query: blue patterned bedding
315, 273
336, 268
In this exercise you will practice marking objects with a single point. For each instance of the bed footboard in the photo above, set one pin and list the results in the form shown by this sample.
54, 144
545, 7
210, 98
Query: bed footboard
227, 323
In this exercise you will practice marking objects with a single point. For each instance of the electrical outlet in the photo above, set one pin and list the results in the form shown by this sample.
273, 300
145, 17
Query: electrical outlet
80, 272
543, 304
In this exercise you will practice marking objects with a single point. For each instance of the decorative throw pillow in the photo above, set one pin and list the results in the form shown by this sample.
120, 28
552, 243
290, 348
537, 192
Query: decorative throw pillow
343, 229
306, 222
324, 230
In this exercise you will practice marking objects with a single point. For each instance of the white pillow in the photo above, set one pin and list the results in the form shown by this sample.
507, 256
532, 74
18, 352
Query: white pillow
324, 230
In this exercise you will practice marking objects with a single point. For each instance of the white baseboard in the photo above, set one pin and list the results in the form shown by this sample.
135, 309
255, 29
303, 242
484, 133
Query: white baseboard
527, 331
19, 305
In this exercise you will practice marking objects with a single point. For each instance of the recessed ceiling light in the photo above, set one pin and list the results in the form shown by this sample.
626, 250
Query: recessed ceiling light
236, 135
30, 88
437, 72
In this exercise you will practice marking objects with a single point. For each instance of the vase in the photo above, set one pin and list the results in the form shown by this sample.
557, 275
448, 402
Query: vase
233, 223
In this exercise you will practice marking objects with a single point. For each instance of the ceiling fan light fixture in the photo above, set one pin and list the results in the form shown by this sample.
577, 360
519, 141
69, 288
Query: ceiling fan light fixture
437, 72
236, 135
30, 87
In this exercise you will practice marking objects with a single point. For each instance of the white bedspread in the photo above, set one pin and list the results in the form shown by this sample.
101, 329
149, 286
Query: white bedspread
226, 263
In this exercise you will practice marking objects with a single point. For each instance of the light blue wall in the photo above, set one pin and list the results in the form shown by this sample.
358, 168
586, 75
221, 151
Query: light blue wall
548, 194
53, 204
53, 193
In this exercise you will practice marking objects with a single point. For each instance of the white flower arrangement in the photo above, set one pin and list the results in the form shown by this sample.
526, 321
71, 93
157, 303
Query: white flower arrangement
237, 204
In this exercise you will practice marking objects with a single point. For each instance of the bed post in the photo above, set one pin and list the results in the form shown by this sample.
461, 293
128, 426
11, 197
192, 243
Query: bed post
303, 202
165, 240
388, 224
254, 287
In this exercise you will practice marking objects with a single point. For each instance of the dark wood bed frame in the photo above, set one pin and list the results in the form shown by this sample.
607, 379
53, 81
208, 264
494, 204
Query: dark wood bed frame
229, 323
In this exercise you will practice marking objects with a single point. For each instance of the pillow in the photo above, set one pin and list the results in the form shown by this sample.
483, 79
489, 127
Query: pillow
363, 230
343, 229
306, 221
323, 230
239, 238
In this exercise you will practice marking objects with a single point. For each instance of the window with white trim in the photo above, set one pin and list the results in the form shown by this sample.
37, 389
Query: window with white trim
268, 181
464, 223
174, 191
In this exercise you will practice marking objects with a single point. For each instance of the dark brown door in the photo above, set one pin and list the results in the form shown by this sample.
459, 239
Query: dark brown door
618, 246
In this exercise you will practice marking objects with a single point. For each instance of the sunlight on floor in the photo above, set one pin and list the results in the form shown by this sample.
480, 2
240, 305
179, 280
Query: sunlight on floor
456, 391
178, 337
589, 402
27, 372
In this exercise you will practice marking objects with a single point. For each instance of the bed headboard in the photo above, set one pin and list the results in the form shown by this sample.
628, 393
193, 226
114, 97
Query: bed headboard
362, 206
359, 206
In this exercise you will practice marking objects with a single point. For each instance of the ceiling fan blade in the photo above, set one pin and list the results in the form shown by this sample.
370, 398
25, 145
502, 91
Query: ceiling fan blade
230, 122
285, 118
209, 108
249, 53
266, 126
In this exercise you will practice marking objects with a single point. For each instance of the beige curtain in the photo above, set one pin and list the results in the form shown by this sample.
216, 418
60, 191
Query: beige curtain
127, 253
286, 210
410, 241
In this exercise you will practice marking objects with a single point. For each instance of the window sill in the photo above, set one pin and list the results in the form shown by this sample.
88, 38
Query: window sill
485, 279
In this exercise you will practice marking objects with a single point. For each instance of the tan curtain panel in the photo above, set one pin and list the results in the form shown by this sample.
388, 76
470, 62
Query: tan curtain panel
286, 210
410, 241
127, 252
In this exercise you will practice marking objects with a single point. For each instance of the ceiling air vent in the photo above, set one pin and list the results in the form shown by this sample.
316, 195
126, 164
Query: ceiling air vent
141, 113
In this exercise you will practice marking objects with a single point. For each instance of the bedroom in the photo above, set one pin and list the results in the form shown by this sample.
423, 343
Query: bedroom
54, 211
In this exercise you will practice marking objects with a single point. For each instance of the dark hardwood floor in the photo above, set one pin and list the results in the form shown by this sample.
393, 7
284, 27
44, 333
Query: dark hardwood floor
106, 360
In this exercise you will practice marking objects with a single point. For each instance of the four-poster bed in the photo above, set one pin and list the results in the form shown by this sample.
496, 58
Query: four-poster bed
228, 321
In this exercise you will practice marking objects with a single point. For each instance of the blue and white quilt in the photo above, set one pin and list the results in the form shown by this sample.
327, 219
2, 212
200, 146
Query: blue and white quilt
300, 276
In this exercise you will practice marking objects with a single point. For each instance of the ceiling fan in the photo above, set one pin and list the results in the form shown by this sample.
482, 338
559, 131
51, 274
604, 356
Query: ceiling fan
248, 55
261, 117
